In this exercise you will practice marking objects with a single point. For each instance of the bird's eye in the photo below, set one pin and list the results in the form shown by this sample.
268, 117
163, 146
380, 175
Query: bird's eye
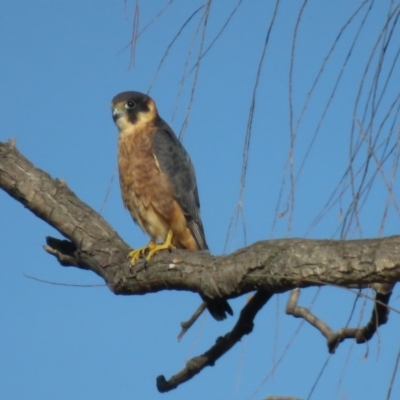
130, 104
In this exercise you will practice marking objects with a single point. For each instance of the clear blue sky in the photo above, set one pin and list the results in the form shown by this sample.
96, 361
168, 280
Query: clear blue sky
61, 63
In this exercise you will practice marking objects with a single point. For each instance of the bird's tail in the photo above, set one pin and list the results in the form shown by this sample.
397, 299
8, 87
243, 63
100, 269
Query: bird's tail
218, 308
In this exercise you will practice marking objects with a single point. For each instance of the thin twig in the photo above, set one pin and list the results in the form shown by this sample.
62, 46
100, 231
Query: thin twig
186, 325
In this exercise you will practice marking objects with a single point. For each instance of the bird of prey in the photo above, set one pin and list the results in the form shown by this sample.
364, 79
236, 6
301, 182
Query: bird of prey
158, 183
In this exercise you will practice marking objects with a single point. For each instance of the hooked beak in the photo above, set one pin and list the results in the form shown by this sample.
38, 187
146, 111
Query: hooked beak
117, 113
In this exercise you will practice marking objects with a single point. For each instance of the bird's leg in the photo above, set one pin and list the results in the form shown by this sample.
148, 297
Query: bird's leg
134, 255
155, 248
151, 248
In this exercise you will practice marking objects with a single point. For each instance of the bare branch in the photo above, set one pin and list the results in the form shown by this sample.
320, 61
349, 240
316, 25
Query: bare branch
244, 326
361, 335
186, 325
277, 265
266, 267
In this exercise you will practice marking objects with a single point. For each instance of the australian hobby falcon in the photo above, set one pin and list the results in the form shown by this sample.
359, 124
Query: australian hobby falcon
158, 183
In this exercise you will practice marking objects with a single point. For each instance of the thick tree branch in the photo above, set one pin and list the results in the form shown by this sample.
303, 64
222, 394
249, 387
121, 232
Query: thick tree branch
266, 267
275, 265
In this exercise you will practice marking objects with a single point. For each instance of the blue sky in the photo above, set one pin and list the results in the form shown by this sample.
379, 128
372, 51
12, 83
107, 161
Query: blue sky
63, 61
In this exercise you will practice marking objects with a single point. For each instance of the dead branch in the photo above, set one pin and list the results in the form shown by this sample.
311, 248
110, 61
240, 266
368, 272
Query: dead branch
266, 267
244, 326
186, 325
379, 317
277, 265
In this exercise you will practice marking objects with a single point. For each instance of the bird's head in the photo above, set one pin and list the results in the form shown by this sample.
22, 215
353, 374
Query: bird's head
132, 108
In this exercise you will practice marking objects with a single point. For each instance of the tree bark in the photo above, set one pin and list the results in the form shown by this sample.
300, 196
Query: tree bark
266, 267
273, 265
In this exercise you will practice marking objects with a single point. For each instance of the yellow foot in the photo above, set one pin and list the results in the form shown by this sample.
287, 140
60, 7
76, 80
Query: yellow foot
155, 248
159, 247
151, 249
134, 255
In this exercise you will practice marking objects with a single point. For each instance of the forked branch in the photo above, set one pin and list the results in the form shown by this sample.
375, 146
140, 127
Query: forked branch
380, 314
267, 267
244, 326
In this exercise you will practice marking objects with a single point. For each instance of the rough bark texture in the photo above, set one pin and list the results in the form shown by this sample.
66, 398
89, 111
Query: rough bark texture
273, 266
277, 265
